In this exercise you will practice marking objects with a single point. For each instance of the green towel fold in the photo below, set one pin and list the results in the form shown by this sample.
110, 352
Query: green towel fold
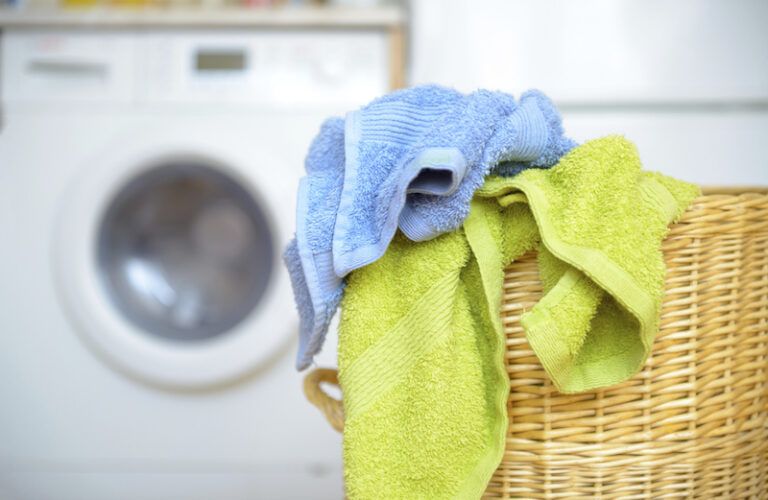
421, 346
601, 221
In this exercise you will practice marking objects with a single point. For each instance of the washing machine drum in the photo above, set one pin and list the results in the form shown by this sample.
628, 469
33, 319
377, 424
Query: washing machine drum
168, 266
184, 252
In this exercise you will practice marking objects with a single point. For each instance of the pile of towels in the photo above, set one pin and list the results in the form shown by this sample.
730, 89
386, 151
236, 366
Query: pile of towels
410, 210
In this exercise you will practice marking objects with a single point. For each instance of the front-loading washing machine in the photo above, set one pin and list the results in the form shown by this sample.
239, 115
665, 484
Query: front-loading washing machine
147, 188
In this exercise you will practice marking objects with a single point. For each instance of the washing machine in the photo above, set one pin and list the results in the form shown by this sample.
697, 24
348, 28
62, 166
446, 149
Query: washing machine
147, 188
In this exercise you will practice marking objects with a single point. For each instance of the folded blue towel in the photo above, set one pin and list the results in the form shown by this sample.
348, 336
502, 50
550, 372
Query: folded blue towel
411, 159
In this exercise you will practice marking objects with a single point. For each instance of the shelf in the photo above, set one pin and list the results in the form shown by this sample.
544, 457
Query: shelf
279, 17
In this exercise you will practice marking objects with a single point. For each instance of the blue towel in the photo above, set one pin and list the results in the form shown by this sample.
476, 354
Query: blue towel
316, 287
411, 159
530, 136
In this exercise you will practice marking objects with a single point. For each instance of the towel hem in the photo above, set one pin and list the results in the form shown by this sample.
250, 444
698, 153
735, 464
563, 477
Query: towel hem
308, 348
480, 241
544, 337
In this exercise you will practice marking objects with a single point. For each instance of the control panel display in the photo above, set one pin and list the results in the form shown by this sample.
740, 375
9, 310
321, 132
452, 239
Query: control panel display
220, 60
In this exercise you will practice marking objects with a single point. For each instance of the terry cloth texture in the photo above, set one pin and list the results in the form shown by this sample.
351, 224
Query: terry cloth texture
415, 157
316, 288
411, 159
601, 220
421, 346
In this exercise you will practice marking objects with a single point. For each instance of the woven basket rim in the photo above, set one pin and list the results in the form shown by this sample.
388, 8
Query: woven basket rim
736, 190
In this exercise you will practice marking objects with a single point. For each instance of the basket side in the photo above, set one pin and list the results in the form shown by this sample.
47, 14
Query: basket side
694, 422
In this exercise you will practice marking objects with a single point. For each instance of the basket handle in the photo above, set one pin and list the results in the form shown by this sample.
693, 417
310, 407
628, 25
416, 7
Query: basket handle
332, 408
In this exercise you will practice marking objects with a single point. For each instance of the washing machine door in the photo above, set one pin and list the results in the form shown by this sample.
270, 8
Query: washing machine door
184, 251
167, 258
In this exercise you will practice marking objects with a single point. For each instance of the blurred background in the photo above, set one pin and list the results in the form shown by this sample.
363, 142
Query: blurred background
150, 152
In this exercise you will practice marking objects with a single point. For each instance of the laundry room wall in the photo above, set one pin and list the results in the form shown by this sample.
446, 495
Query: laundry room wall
686, 80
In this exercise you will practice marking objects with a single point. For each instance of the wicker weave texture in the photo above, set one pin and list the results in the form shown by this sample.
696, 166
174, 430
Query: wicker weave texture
694, 422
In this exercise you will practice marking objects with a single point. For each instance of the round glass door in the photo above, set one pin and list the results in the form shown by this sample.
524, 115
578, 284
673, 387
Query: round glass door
184, 251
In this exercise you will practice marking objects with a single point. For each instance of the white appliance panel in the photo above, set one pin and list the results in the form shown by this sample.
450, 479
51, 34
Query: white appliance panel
77, 424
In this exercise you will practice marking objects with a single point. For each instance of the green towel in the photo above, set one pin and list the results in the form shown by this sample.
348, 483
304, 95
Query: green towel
421, 346
601, 220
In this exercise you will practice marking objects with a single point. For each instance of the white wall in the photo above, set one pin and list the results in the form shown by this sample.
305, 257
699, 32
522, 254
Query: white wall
687, 80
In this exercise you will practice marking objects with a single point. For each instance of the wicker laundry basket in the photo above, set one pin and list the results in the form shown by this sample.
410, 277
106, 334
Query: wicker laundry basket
694, 422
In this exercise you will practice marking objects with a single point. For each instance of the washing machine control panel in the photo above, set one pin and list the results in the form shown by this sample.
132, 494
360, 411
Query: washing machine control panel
58, 66
281, 68
278, 68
